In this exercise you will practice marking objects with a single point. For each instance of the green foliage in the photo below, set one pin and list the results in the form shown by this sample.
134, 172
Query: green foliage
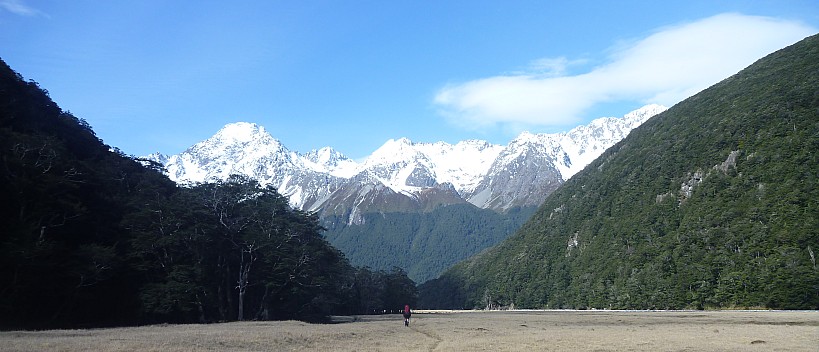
426, 243
91, 237
375, 292
60, 242
712, 204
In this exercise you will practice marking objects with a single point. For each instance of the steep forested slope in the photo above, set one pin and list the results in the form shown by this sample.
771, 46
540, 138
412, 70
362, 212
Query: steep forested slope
60, 239
713, 203
424, 243
91, 237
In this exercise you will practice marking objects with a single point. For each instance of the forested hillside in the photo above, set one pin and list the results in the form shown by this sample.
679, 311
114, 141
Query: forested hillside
711, 204
424, 243
91, 237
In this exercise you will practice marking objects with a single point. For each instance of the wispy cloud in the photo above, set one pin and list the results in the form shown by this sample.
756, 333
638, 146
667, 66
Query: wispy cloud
17, 7
665, 67
550, 67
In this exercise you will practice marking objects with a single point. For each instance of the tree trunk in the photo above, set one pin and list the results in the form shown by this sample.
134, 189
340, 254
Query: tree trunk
242, 286
201, 309
229, 295
244, 273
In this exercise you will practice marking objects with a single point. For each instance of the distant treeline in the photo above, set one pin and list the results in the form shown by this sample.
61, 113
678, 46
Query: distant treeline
424, 243
92, 237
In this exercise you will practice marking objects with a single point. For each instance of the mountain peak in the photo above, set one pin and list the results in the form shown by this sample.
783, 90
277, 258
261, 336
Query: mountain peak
404, 166
240, 137
399, 143
324, 155
644, 113
393, 149
332, 161
571, 151
241, 132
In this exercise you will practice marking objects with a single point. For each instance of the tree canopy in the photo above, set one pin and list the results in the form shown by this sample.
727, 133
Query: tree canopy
92, 237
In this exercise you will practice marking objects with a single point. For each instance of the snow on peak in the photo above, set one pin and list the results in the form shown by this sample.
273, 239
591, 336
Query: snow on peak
527, 137
644, 113
239, 137
573, 150
241, 132
331, 161
392, 149
400, 164
325, 156
464, 164
585, 143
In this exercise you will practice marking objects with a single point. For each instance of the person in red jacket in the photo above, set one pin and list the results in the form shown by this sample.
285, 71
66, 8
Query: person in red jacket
407, 315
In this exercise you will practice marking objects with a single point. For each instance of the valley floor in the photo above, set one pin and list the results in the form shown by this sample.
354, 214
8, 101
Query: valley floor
458, 331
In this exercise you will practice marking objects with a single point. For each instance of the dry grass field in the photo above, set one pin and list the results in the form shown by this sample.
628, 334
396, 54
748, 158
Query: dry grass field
459, 331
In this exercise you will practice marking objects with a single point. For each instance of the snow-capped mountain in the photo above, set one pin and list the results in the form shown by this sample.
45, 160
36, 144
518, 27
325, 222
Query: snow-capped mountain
402, 174
533, 165
408, 167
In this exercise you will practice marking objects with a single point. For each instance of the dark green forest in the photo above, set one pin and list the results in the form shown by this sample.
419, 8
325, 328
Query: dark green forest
711, 204
424, 243
92, 237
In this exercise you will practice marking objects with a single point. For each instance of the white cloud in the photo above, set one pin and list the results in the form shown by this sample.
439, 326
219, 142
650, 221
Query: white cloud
17, 7
551, 67
666, 67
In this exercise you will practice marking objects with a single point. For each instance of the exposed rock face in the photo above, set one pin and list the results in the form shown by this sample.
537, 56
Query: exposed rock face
403, 175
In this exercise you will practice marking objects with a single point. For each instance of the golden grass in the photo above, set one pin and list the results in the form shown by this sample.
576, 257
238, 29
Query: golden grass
459, 331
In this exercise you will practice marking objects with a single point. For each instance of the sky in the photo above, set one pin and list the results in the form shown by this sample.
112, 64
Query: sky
158, 75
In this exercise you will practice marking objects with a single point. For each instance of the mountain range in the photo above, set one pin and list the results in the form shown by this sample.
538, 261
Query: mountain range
418, 206
403, 175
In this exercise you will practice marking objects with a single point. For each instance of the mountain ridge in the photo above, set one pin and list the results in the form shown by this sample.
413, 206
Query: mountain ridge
403, 167
418, 206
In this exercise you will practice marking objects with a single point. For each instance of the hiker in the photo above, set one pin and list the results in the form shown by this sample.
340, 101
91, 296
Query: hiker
407, 314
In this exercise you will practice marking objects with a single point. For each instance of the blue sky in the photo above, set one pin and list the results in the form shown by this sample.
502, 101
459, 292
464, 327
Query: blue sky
158, 75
